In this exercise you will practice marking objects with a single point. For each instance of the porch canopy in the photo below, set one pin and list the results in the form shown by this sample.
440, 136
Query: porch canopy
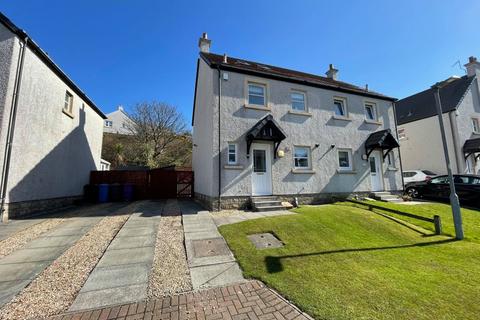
383, 140
471, 146
267, 130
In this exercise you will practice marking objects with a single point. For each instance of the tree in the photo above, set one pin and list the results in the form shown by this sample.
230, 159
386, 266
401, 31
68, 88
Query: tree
160, 130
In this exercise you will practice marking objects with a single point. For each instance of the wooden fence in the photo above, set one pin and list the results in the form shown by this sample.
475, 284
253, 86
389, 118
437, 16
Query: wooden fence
150, 184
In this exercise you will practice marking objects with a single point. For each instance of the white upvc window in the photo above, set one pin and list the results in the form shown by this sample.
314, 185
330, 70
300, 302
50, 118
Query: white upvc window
301, 157
340, 107
257, 94
371, 111
232, 153
391, 159
68, 104
108, 123
345, 159
298, 101
475, 125
401, 134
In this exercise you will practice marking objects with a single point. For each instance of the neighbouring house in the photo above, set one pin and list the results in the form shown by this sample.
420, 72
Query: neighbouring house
50, 131
104, 165
419, 129
118, 122
260, 130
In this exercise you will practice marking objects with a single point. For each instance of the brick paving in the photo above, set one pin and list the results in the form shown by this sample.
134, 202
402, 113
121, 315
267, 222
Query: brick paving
251, 300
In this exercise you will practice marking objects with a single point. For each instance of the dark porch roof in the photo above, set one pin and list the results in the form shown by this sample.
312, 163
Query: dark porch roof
471, 146
383, 140
266, 129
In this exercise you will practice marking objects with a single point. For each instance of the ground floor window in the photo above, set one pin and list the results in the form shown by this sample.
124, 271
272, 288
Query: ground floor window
301, 157
391, 159
345, 159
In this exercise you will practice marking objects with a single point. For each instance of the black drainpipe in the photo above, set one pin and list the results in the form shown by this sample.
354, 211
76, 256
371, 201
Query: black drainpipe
399, 149
11, 127
219, 142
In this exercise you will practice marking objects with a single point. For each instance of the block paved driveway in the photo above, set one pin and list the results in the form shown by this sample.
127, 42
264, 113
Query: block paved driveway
250, 300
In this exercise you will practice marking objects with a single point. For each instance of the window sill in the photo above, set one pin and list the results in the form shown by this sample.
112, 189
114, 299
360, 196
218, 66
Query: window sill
346, 171
392, 169
373, 122
300, 113
476, 133
255, 107
303, 171
68, 113
341, 118
233, 167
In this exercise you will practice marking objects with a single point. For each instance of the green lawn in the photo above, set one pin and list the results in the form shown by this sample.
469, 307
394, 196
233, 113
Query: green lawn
343, 262
471, 218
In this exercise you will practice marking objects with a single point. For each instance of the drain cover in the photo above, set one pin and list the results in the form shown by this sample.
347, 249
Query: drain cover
210, 248
265, 241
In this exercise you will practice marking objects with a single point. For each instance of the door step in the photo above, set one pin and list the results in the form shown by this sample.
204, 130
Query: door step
268, 203
386, 196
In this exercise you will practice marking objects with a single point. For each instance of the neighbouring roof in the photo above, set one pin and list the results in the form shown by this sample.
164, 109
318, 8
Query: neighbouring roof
49, 62
422, 105
268, 71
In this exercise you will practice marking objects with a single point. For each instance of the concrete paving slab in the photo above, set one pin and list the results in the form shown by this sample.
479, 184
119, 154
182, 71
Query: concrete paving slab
126, 256
33, 255
135, 232
107, 297
216, 275
8, 289
45, 242
133, 242
22, 271
202, 235
117, 276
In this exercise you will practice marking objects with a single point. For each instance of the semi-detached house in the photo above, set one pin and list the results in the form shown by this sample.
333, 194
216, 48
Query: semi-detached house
260, 130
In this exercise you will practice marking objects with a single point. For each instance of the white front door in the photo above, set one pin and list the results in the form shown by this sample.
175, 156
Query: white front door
262, 170
375, 164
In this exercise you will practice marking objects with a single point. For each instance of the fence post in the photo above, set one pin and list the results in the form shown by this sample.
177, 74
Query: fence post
437, 221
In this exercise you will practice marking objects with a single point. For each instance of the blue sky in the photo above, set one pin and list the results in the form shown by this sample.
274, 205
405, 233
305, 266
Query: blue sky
125, 51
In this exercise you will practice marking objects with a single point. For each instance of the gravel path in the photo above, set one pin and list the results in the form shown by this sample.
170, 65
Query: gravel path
55, 288
21, 238
170, 273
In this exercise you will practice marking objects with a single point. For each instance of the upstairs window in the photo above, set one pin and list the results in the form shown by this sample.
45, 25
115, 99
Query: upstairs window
298, 101
475, 125
370, 111
256, 94
68, 104
232, 153
108, 123
339, 107
301, 157
345, 159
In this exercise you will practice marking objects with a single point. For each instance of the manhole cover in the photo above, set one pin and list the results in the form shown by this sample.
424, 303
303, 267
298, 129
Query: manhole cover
210, 248
265, 241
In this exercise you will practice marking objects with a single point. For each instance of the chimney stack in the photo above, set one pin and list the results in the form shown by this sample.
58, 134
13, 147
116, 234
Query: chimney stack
225, 59
204, 43
473, 67
332, 72
120, 107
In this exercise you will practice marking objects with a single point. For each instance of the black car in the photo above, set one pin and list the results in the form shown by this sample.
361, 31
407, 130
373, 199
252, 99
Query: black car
467, 187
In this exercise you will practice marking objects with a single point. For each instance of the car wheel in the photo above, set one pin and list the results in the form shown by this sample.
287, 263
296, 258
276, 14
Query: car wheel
412, 192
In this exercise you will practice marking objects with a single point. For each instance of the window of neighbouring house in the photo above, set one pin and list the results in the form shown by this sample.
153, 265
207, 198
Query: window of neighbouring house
370, 111
401, 134
68, 104
298, 101
108, 123
475, 125
340, 107
345, 159
232, 153
256, 94
301, 157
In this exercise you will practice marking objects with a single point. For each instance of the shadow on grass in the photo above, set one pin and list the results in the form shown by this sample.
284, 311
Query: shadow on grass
274, 264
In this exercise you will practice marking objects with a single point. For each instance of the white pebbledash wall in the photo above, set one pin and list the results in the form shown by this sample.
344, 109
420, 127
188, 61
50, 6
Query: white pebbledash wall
317, 128
52, 153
